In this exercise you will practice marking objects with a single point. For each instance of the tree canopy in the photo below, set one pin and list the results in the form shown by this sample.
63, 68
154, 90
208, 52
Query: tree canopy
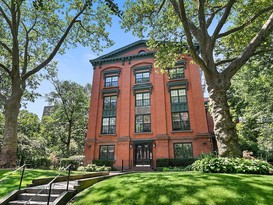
221, 36
32, 33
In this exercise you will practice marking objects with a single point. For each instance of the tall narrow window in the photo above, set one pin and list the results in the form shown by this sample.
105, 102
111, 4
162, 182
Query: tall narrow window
109, 115
183, 150
107, 152
180, 114
143, 123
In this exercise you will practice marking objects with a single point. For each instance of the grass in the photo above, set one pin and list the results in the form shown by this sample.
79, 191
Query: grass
12, 182
177, 188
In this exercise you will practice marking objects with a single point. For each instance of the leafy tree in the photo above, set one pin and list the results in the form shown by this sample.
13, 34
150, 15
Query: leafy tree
228, 33
71, 104
251, 100
32, 33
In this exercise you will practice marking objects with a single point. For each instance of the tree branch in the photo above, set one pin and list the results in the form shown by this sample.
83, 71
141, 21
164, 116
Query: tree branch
261, 12
180, 10
222, 20
212, 15
235, 65
161, 6
5, 69
57, 47
5, 17
201, 17
6, 47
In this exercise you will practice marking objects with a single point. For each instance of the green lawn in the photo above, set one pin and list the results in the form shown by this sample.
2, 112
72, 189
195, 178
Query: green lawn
12, 182
173, 188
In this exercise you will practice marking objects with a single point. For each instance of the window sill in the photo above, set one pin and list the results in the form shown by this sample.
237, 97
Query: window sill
143, 133
182, 131
103, 135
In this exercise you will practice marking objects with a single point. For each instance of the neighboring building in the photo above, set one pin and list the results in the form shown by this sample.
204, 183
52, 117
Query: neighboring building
138, 115
48, 110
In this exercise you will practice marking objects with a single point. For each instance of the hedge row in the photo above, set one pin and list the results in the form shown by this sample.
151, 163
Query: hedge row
174, 162
231, 165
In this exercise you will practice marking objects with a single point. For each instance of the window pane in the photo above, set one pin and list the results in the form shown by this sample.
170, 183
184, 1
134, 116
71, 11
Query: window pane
108, 79
139, 103
105, 121
106, 102
146, 127
113, 121
187, 148
103, 152
111, 151
173, 93
178, 150
147, 119
146, 75
176, 117
115, 78
139, 96
184, 116
146, 102
182, 92
146, 95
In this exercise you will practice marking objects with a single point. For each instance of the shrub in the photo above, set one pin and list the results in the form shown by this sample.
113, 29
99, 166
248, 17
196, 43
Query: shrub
42, 163
174, 162
181, 162
231, 165
162, 162
104, 162
93, 168
75, 161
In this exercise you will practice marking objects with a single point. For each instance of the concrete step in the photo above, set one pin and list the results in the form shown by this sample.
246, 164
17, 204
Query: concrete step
39, 197
141, 169
24, 202
45, 191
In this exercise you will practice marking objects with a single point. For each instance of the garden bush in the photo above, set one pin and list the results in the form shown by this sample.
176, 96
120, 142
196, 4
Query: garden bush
231, 165
41, 163
93, 168
104, 162
174, 162
75, 161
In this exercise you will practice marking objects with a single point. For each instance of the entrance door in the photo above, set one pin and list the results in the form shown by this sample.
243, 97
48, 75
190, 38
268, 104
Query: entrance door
143, 154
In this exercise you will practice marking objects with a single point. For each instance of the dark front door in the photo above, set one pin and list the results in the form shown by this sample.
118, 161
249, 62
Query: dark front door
143, 154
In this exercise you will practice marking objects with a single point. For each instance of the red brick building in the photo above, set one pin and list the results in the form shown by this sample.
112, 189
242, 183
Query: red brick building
138, 115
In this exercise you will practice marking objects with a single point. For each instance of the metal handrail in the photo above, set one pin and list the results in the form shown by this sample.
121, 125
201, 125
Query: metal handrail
22, 175
50, 184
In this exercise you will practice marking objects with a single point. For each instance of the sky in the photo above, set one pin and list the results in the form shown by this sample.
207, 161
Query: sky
74, 65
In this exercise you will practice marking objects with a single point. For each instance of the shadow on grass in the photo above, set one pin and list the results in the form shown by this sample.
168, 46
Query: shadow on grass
181, 188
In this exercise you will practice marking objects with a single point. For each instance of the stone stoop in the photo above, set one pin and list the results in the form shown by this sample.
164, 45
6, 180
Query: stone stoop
141, 169
40, 198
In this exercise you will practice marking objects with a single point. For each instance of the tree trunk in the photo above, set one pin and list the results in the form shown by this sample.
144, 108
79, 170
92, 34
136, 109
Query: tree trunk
9, 150
68, 138
224, 127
